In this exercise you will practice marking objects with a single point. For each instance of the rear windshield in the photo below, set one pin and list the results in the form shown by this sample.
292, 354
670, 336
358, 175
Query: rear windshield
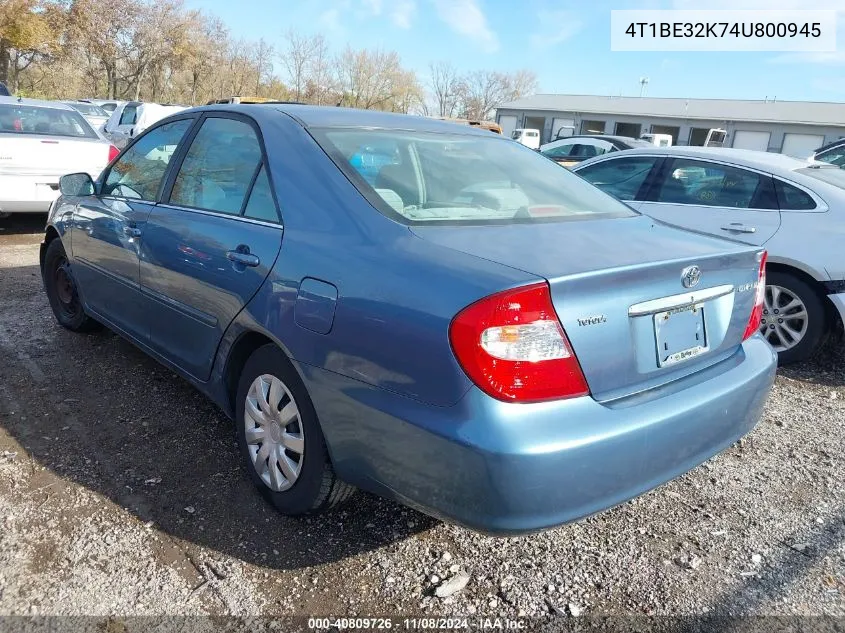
25, 119
431, 178
832, 175
89, 109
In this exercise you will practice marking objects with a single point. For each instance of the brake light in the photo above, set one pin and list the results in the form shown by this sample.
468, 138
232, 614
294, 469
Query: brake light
113, 152
511, 345
759, 298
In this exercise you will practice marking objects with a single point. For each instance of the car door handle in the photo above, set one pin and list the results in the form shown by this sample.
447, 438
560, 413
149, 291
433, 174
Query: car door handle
243, 257
739, 228
132, 231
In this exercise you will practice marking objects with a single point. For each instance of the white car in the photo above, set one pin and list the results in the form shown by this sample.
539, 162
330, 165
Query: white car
93, 113
108, 105
40, 141
794, 209
528, 137
131, 118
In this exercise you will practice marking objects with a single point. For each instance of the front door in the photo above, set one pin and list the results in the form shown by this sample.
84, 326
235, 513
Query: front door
715, 198
108, 228
211, 243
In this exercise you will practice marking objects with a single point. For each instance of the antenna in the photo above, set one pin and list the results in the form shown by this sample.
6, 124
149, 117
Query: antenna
643, 84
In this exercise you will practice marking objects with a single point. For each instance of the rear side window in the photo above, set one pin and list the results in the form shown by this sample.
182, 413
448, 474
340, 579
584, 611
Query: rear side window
139, 171
715, 185
218, 167
792, 198
260, 205
622, 177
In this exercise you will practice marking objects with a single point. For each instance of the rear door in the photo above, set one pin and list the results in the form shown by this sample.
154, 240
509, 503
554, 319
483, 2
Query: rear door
715, 198
210, 244
107, 229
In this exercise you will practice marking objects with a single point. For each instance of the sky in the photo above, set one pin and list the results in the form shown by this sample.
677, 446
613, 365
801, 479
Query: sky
565, 42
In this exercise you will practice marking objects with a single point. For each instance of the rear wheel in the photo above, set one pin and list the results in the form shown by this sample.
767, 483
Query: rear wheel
794, 319
280, 440
62, 292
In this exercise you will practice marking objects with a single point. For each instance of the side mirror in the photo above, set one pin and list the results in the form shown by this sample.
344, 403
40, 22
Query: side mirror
80, 184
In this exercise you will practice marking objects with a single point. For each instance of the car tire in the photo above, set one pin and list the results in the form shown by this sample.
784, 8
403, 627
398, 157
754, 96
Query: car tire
280, 440
780, 327
62, 293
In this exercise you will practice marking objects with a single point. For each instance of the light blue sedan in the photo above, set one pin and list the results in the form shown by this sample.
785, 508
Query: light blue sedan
453, 322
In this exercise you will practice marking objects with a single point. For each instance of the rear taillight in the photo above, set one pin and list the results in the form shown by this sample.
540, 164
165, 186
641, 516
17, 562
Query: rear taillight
511, 345
759, 298
113, 152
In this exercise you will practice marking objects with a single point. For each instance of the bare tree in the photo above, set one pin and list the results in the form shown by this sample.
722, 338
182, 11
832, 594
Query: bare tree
298, 59
445, 84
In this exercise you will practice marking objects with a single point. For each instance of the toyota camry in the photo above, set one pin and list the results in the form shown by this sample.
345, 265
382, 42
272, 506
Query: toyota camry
418, 309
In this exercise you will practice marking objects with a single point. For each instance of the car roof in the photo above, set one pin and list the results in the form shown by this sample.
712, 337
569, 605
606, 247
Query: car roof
824, 148
746, 157
311, 116
34, 102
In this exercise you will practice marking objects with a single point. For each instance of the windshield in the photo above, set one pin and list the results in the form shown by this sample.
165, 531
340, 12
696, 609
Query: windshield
423, 177
25, 119
89, 109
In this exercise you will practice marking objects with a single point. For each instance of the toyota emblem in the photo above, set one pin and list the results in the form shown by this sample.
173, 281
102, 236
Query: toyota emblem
690, 276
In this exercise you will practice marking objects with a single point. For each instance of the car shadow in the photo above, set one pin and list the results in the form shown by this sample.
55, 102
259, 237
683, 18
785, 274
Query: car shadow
826, 367
98, 412
23, 224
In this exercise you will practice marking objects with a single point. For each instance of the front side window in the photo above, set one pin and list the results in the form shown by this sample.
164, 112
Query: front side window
23, 119
622, 177
715, 185
463, 178
218, 167
139, 171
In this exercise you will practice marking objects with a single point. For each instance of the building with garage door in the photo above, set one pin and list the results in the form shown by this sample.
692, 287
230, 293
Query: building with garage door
795, 128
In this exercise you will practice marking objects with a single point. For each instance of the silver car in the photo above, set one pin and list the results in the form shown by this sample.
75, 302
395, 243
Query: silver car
93, 113
796, 209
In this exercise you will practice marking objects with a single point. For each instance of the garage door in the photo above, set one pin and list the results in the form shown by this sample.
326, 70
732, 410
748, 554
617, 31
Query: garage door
752, 140
508, 124
801, 145
562, 128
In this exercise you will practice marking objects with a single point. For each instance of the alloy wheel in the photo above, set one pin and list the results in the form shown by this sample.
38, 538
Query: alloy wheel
785, 318
274, 432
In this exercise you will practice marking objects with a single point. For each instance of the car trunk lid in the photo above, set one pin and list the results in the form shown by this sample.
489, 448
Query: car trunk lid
51, 156
618, 291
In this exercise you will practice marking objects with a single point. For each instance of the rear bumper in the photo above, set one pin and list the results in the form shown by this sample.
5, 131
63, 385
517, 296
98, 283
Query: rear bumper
27, 194
507, 468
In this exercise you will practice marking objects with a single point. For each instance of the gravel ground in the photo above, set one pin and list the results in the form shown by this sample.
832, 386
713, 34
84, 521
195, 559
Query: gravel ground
121, 494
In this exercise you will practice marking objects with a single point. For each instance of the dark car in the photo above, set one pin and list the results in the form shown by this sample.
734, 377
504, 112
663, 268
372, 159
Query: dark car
4, 91
573, 149
424, 310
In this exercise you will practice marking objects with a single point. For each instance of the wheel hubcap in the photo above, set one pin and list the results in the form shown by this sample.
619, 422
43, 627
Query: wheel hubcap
274, 432
785, 321
64, 283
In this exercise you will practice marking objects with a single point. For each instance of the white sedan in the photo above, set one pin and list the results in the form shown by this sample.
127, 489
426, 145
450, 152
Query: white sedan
795, 209
40, 141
